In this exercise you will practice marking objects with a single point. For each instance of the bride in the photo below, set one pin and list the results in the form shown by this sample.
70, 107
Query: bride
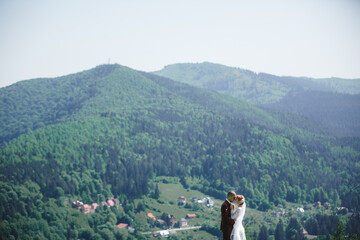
237, 213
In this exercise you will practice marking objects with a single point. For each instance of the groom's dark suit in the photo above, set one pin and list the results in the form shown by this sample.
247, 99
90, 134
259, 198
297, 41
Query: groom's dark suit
226, 221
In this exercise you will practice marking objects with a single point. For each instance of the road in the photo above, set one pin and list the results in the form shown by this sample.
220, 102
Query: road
174, 229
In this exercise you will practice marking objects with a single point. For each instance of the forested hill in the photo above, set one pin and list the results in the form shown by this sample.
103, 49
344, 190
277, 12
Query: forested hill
257, 88
32, 104
109, 130
341, 111
303, 96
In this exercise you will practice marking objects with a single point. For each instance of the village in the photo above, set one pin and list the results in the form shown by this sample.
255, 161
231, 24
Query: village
167, 224
280, 212
317, 206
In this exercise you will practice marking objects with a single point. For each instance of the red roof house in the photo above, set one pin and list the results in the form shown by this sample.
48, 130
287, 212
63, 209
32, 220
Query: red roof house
86, 208
190, 216
110, 203
94, 207
122, 225
151, 216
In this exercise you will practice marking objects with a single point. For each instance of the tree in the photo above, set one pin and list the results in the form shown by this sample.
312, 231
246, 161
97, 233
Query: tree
340, 232
279, 231
312, 226
263, 234
293, 229
157, 192
140, 207
353, 226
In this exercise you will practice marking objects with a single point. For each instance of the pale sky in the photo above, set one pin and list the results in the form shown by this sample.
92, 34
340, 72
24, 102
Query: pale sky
49, 38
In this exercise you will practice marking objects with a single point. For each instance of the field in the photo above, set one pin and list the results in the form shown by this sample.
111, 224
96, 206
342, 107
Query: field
171, 190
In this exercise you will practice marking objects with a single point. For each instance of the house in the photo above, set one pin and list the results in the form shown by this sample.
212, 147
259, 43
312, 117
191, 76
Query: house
123, 225
171, 220
114, 200
342, 210
195, 200
126, 226
160, 223
318, 204
151, 216
86, 208
183, 222
190, 216
77, 204
209, 202
93, 207
182, 199
201, 201
110, 203
327, 205
300, 210
206, 200
164, 233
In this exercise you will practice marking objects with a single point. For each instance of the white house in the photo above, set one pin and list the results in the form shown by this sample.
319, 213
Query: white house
300, 210
164, 233
183, 222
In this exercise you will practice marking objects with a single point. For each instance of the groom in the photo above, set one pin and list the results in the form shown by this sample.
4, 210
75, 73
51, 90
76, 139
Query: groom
226, 221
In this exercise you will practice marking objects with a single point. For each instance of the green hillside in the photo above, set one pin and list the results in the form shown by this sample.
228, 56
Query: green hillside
349, 86
256, 88
341, 111
110, 130
307, 97
32, 104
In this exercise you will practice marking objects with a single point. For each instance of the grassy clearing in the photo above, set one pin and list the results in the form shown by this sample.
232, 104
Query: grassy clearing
171, 189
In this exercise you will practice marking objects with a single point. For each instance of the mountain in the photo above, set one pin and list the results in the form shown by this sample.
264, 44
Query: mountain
341, 111
109, 130
286, 94
33, 104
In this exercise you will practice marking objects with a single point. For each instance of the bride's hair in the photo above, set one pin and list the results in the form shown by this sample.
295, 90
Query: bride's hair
241, 198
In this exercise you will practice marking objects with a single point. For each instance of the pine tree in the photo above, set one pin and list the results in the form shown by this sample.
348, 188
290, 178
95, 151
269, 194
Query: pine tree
340, 232
263, 234
157, 192
293, 229
279, 231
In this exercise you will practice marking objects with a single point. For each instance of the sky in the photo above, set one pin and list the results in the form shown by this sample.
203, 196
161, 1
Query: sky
49, 38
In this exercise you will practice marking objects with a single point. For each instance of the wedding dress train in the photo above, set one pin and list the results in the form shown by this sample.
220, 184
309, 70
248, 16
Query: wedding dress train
238, 232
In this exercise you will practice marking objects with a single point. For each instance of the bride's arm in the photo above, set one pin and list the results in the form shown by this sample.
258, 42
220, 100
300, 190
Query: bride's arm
234, 213
242, 210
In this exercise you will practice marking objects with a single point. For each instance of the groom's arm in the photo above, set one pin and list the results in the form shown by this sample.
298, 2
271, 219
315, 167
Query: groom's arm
226, 216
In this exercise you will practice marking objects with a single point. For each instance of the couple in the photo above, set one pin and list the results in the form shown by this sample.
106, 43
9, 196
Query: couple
232, 216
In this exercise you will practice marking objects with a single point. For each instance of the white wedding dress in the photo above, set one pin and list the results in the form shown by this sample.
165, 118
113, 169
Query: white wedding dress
238, 232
